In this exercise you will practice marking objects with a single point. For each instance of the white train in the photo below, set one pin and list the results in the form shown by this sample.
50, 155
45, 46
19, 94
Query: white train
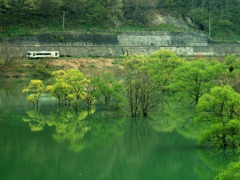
42, 54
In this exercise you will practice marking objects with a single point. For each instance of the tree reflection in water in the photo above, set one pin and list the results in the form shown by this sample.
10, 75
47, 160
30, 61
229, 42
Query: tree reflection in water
213, 161
77, 130
124, 148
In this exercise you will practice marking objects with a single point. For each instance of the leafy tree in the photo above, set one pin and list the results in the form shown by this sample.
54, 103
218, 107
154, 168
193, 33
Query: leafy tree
88, 95
76, 81
147, 77
161, 65
60, 89
71, 87
112, 12
230, 72
221, 110
48, 8
220, 106
36, 88
133, 11
141, 91
68, 87
109, 88
222, 136
232, 172
194, 78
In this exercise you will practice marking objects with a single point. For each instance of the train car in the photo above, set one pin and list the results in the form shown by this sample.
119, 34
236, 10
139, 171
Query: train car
42, 54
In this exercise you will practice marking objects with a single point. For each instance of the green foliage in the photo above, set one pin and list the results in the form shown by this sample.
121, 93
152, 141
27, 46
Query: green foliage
141, 91
36, 120
220, 106
69, 86
194, 78
232, 172
72, 87
146, 77
161, 65
221, 110
21, 17
41, 69
222, 136
37, 88
108, 88
231, 65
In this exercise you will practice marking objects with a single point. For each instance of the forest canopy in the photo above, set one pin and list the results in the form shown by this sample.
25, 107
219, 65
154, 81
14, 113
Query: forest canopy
220, 16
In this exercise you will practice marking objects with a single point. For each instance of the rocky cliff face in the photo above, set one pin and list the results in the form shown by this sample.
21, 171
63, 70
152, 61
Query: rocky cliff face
182, 22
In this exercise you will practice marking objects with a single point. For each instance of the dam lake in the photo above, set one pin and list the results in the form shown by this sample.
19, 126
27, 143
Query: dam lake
49, 143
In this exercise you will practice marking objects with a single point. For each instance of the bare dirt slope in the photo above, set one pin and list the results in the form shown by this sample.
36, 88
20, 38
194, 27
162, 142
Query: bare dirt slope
89, 66
81, 63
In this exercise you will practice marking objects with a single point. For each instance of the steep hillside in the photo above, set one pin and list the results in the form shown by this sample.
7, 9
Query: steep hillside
219, 19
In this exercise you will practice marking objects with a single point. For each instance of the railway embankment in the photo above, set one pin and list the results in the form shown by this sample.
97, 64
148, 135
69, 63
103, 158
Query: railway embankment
119, 44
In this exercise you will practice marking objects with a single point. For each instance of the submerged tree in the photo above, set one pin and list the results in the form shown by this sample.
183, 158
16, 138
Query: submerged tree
141, 91
68, 87
147, 79
109, 89
36, 88
88, 95
72, 87
221, 109
60, 89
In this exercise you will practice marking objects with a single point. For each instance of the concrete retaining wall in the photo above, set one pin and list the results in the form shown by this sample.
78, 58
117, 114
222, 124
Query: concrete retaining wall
162, 39
84, 51
86, 44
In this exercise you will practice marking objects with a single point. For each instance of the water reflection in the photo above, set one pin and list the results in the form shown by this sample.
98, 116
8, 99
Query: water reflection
68, 145
175, 115
11, 99
36, 120
52, 143
211, 161
76, 130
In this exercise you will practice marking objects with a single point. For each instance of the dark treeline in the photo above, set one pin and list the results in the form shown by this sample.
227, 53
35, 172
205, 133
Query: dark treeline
220, 15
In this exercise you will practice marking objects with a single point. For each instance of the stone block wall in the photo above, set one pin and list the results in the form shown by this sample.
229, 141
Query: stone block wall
115, 51
107, 45
163, 39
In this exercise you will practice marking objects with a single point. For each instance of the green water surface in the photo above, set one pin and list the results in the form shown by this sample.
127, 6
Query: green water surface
58, 144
